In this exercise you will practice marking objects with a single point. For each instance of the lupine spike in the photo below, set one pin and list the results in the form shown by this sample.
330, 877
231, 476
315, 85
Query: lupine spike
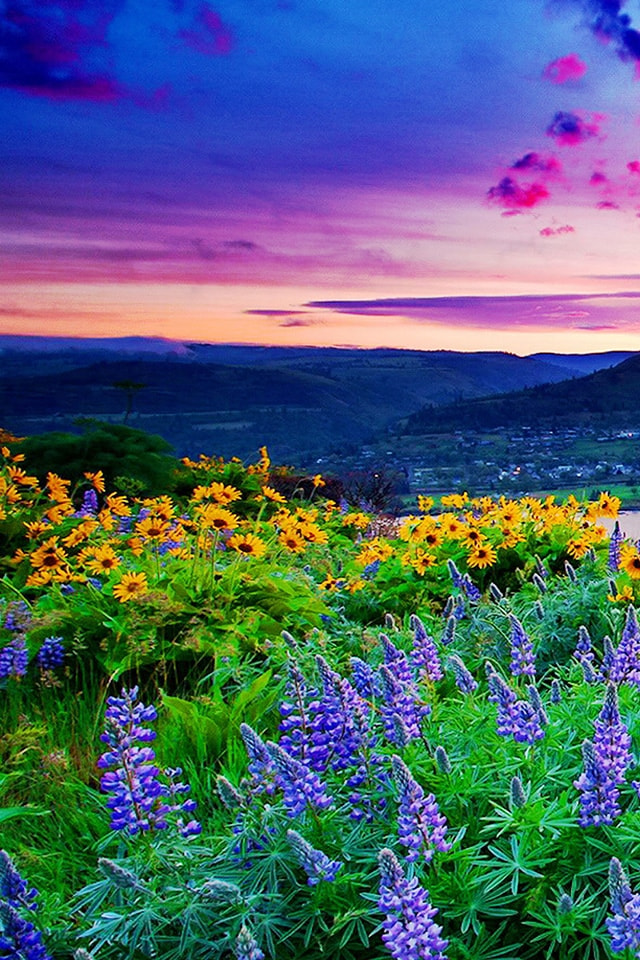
449, 633
517, 794
246, 948
119, 876
565, 904
495, 593
556, 692
465, 681
539, 582
408, 928
570, 572
315, 863
230, 795
442, 759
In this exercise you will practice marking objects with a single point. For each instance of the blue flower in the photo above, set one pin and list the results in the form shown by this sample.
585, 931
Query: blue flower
421, 826
465, 681
522, 655
316, 864
424, 655
140, 799
51, 654
246, 947
624, 926
409, 932
598, 791
19, 939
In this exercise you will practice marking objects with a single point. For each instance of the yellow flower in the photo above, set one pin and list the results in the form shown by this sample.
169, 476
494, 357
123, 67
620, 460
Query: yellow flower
424, 503
273, 495
332, 583
607, 506
214, 517
118, 504
483, 555
57, 487
630, 561
473, 537
359, 520
578, 547
80, 533
131, 586
421, 562
104, 560
455, 500
18, 475
153, 528
450, 525
312, 533
292, 540
96, 479
247, 544
35, 528
318, 480
223, 494
49, 555
374, 550
356, 585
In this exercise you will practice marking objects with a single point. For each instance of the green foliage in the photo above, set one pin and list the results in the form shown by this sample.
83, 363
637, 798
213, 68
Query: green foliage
141, 461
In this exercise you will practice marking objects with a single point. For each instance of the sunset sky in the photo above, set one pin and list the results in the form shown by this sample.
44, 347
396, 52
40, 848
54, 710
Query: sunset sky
460, 175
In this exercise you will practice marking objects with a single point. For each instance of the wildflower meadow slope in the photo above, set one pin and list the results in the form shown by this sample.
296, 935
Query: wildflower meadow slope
239, 723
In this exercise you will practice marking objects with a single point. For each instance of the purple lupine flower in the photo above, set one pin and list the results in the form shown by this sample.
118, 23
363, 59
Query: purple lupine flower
51, 654
409, 932
589, 674
449, 632
556, 692
626, 661
396, 660
175, 789
89, 506
584, 647
246, 947
598, 791
339, 727
611, 739
624, 926
401, 711
293, 710
260, 764
539, 582
363, 677
541, 570
421, 826
140, 801
505, 700
14, 658
615, 542
516, 718
522, 655
459, 611
472, 592
456, 577
19, 939
465, 681
608, 658
315, 863
534, 699
230, 795
17, 616
299, 784
13, 887
424, 655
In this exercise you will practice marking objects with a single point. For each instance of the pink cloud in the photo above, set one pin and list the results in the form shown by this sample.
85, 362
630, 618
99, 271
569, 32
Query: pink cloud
565, 69
557, 231
208, 34
598, 178
634, 166
607, 205
514, 196
541, 164
570, 129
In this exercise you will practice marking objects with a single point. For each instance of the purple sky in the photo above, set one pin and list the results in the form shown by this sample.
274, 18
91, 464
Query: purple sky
462, 175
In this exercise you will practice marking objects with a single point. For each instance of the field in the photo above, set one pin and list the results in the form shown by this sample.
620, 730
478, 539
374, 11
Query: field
239, 723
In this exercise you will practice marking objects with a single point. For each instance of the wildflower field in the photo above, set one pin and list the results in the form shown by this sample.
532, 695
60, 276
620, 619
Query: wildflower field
239, 724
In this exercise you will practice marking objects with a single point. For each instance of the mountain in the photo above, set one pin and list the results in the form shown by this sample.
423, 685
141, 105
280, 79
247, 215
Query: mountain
609, 397
229, 399
582, 364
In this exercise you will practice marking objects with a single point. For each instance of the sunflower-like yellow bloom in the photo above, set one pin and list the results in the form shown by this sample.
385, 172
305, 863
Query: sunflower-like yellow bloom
104, 560
131, 586
630, 561
270, 494
247, 544
96, 480
292, 540
211, 516
482, 555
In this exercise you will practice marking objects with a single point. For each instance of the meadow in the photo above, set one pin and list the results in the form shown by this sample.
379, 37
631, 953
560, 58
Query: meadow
239, 723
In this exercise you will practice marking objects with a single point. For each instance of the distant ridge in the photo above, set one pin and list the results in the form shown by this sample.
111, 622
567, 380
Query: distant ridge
607, 397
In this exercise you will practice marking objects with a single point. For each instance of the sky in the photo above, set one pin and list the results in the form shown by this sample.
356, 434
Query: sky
440, 175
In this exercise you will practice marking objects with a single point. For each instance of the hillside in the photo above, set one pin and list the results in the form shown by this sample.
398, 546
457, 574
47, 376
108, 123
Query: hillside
607, 397
230, 399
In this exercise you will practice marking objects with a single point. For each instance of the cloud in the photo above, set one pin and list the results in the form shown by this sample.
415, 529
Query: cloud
607, 205
58, 49
606, 21
275, 313
598, 178
634, 166
513, 196
569, 129
207, 33
535, 161
557, 231
560, 311
565, 69
296, 323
